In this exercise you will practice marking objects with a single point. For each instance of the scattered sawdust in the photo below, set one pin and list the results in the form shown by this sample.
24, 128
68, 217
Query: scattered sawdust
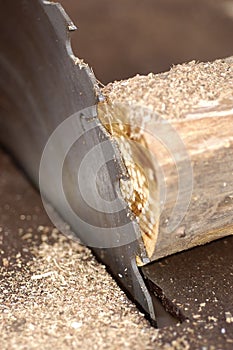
64, 298
175, 93
229, 317
53, 293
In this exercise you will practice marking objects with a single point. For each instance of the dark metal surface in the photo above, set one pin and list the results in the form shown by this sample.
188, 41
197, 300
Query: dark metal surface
41, 85
199, 285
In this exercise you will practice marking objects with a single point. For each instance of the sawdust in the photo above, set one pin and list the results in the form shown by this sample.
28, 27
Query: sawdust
64, 299
53, 292
175, 93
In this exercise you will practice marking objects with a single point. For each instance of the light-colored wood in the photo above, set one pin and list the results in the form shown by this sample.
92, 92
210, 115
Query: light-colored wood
181, 170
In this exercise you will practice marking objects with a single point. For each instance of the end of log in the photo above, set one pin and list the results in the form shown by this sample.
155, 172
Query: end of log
192, 102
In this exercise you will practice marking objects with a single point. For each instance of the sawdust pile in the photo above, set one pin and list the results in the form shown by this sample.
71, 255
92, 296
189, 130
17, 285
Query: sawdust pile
64, 299
173, 94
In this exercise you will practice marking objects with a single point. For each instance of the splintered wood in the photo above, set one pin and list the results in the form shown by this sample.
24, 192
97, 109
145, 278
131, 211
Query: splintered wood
175, 134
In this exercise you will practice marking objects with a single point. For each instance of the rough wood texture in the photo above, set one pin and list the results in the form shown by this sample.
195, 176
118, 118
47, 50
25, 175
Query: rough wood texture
182, 121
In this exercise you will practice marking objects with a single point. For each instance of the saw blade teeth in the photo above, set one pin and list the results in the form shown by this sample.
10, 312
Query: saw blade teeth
57, 14
65, 17
72, 27
54, 11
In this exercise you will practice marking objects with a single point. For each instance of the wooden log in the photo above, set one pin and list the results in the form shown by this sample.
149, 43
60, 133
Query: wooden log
175, 133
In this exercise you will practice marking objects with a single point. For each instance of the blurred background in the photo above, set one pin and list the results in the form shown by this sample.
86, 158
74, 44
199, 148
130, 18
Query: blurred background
124, 37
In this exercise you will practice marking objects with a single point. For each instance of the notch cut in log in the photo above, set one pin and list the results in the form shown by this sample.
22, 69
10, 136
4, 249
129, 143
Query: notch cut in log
175, 134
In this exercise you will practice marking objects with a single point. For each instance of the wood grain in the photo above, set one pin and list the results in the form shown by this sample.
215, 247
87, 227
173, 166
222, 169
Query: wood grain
188, 164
